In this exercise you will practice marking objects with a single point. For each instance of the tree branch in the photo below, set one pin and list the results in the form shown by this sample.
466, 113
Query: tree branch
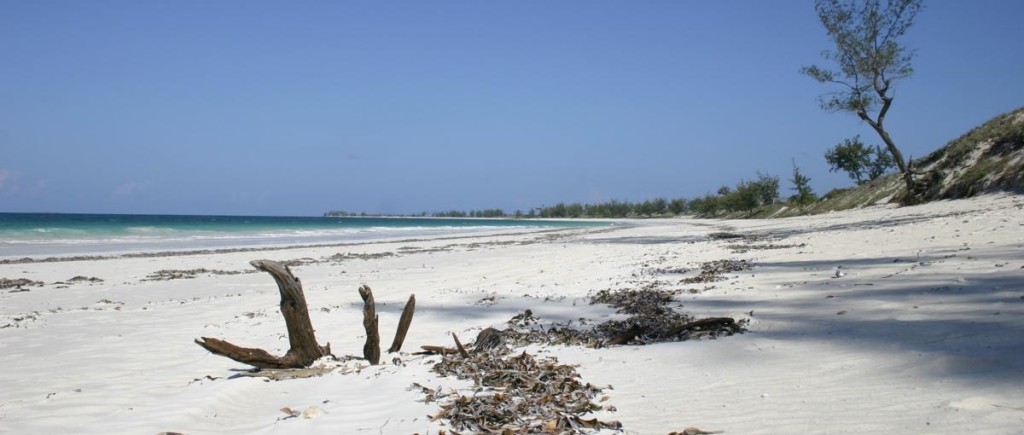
303, 348
403, 324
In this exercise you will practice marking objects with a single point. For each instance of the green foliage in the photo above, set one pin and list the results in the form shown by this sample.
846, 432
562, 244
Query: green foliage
801, 184
746, 196
867, 53
869, 60
881, 163
614, 209
677, 206
862, 163
709, 205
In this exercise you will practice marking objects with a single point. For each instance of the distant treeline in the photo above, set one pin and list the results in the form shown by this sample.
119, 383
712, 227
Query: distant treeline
745, 196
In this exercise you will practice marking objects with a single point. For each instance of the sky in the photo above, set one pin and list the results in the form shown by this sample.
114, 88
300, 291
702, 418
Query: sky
297, 108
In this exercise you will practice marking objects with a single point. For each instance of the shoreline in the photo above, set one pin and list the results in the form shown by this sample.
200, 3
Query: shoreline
911, 315
259, 248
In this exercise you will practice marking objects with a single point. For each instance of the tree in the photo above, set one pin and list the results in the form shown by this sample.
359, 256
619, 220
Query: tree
869, 61
801, 184
677, 206
767, 188
862, 163
880, 164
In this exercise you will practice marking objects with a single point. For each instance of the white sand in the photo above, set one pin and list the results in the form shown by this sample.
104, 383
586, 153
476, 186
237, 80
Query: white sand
930, 339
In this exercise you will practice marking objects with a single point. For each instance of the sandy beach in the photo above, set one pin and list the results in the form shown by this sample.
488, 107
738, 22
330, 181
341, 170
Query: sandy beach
880, 320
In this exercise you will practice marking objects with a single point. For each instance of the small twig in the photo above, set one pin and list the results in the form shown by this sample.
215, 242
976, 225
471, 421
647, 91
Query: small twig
458, 345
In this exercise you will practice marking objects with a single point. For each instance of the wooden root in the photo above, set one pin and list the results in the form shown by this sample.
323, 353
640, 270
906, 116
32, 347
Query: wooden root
709, 323
458, 345
696, 325
371, 350
303, 348
403, 324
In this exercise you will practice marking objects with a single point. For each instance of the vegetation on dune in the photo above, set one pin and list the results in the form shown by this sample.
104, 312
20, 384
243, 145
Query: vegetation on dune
869, 60
862, 163
802, 185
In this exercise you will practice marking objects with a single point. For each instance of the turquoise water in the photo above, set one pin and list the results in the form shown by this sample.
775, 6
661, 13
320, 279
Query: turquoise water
32, 234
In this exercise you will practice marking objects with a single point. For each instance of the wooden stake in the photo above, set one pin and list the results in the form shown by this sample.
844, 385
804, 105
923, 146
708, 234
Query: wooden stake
371, 350
403, 324
458, 345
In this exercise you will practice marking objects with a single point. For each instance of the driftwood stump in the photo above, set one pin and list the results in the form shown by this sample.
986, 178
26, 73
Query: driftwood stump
371, 350
403, 324
303, 348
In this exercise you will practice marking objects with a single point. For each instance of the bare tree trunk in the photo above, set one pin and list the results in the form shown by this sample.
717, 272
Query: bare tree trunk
403, 324
371, 350
897, 156
303, 348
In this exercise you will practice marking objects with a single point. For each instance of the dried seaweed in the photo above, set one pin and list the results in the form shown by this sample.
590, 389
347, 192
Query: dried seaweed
651, 319
524, 394
350, 256
723, 235
744, 248
713, 271
6, 283
516, 394
169, 274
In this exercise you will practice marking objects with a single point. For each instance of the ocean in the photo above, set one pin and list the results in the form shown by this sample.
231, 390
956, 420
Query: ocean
58, 234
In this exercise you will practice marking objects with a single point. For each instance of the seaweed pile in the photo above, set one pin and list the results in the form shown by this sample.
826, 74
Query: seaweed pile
651, 319
515, 394
526, 394
18, 283
712, 271
169, 274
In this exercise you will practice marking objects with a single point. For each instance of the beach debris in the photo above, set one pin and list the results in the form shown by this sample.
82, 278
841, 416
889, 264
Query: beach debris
724, 235
169, 274
489, 339
290, 413
303, 347
286, 374
18, 283
312, 412
339, 257
740, 248
78, 279
19, 320
651, 319
458, 345
371, 349
713, 271
515, 394
694, 431
403, 324
86, 279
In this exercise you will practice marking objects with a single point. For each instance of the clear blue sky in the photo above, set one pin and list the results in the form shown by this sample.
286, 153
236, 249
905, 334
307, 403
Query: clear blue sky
282, 108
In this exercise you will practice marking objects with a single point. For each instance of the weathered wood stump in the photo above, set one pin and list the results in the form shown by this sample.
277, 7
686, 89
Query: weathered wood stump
303, 348
371, 350
403, 324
